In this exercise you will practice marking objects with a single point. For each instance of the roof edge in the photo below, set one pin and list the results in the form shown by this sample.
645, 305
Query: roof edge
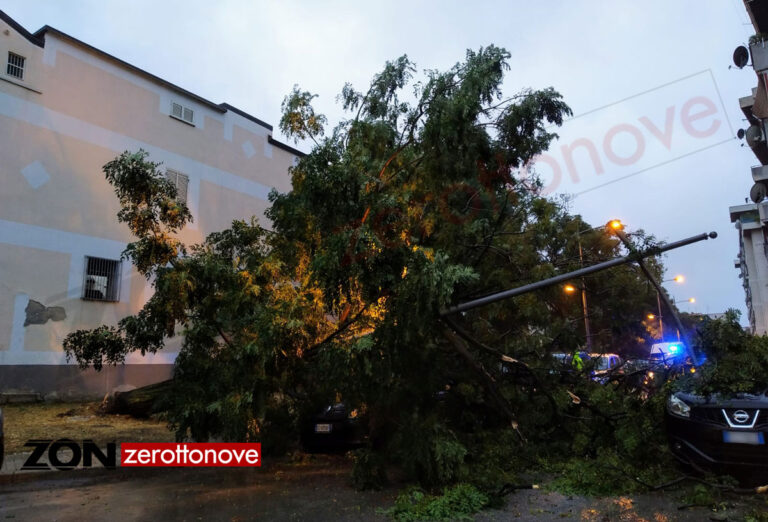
288, 148
245, 115
38, 38
33, 38
40, 33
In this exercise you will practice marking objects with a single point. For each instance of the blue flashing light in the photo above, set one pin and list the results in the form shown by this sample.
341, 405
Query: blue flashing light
674, 348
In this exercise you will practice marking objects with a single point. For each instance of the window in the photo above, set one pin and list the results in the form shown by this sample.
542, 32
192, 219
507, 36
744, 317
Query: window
102, 279
15, 66
181, 181
182, 113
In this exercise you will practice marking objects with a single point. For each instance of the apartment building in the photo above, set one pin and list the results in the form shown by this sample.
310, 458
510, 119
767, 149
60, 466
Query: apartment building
66, 109
751, 219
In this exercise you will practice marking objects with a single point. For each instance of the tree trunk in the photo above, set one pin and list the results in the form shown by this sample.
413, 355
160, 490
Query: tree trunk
140, 402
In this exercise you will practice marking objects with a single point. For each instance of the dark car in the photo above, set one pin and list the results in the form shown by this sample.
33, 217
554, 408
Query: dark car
725, 435
645, 375
335, 428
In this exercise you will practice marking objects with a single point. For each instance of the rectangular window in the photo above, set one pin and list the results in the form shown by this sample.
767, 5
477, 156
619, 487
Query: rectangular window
183, 113
181, 181
102, 279
15, 66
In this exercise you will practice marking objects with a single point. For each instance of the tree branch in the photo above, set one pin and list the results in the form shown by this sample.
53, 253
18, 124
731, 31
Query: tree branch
485, 379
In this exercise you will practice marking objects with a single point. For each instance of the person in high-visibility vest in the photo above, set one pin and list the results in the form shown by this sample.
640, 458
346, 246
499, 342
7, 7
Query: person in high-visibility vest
577, 361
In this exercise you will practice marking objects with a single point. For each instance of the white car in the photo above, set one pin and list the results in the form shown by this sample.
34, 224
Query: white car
605, 365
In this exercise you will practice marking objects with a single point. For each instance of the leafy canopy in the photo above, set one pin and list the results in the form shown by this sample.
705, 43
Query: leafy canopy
414, 202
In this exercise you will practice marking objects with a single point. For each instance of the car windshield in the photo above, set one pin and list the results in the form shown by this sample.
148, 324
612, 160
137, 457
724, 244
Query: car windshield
603, 363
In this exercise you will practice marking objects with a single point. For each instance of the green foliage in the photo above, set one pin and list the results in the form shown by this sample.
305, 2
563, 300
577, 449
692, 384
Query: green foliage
735, 362
458, 502
430, 452
402, 210
368, 470
95, 347
299, 119
610, 473
150, 209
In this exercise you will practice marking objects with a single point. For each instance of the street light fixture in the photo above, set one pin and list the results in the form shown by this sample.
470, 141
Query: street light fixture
660, 293
569, 289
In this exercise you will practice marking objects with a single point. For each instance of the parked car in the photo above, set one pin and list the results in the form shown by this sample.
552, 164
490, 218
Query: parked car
668, 353
645, 375
725, 435
334, 428
605, 366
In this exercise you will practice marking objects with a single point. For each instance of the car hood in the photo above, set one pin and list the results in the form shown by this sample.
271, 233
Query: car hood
739, 400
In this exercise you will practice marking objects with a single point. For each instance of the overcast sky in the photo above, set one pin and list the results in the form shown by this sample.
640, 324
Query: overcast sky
648, 82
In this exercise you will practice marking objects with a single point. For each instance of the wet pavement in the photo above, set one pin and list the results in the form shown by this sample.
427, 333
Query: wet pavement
306, 492
315, 489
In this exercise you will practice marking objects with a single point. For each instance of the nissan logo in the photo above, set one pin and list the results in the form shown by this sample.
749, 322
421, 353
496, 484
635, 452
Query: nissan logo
740, 416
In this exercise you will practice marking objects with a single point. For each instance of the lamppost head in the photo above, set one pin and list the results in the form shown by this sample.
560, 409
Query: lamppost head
616, 224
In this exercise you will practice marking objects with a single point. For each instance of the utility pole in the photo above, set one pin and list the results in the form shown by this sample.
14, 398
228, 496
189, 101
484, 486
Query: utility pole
584, 308
661, 321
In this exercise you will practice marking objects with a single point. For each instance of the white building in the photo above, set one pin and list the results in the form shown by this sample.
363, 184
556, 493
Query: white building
66, 109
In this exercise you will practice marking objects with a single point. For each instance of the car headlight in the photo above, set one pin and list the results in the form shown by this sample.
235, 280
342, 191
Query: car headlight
677, 406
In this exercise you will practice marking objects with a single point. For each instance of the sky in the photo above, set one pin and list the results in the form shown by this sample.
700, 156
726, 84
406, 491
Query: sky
655, 104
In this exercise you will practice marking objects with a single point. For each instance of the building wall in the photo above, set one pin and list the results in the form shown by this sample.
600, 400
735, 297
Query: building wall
75, 110
752, 262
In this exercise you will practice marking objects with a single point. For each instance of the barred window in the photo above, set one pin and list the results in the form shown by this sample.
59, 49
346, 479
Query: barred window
15, 66
183, 113
181, 181
101, 279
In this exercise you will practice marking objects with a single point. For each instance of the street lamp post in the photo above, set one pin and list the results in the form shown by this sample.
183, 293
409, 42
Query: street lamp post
661, 321
618, 229
584, 308
676, 279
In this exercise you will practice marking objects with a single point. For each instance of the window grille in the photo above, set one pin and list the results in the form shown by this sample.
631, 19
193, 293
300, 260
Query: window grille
102, 279
15, 66
183, 113
181, 181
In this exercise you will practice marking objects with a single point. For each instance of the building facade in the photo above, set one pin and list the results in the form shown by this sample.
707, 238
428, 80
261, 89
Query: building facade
751, 219
66, 109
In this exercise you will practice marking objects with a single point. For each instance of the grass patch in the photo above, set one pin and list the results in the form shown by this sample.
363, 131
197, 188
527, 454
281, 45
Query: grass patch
76, 421
458, 502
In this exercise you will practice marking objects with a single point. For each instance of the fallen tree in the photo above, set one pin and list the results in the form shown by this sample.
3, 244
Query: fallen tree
402, 211
140, 402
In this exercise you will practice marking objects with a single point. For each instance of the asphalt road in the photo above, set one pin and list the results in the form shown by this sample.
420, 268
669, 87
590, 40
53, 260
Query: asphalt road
316, 489
283, 492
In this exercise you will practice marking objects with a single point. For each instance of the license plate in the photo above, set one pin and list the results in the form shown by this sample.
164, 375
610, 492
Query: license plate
322, 428
743, 437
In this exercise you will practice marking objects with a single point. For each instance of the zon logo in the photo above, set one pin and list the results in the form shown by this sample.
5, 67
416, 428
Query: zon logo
66, 454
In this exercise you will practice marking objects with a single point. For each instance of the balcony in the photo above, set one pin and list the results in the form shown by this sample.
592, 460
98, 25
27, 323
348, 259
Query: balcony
759, 53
